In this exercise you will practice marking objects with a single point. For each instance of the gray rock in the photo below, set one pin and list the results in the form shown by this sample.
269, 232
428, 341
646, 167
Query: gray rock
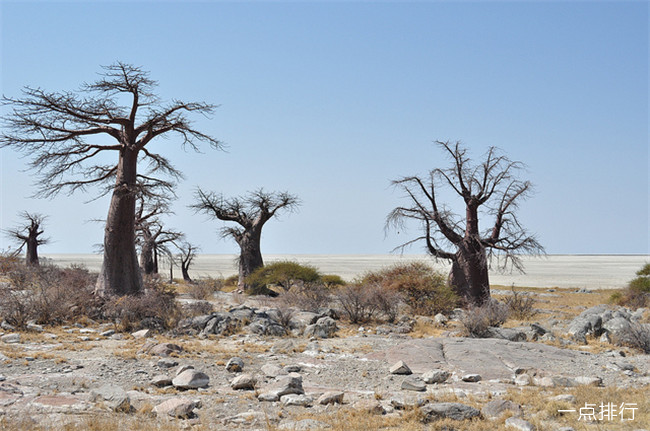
565, 398
222, 324
435, 376
113, 397
284, 346
588, 381
456, 411
331, 397
519, 424
34, 327
325, 327
176, 407
509, 334
370, 406
167, 363
404, 401
143, 333
290, 384
244, 381
440, 319
496, 408
161, 380
471, 378
235, 365
523, 380
183, 368
162, 349
617, 328
271, 370
10, 338
107, 333
7, 326
304, 425
400, 368
297, 400
292, 368
538, 329
191, 379
414, 383
242, 312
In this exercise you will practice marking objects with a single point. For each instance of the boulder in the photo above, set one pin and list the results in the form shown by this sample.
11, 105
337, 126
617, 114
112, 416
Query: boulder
142, 333
617, 328
235, 365
370, 406
290, 384
519, 424
113, 397
407, 401
473, 378
303, 425
435, 376
162, 349
331, 397
496, 408
297, 400
176, 407
509, 334
191, 379
400, 368
271, 370
325, 327
414, 383
161, 380
244, 381
10, 338
456, 411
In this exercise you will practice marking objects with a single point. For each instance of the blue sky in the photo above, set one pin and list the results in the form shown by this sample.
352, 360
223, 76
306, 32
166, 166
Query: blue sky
333, 100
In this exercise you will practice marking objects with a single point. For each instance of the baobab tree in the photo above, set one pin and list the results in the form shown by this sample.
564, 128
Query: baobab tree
187, 253
55, 129
251, 212
29, 235
489, 189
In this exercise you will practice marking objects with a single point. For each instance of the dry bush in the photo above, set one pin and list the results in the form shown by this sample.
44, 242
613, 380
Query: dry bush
310, 297
48, 295
155, 309
521, 305
204, 288
198, 308
636, 336
478, 320
386, 300
8, 262
424, 290
358, 302
637, 293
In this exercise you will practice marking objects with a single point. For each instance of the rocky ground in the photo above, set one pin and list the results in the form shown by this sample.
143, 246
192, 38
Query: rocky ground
242, 368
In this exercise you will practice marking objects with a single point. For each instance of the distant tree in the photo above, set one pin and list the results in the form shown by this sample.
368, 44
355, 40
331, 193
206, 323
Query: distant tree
53, 129
251, 212
491, 187
187, 253
284, 274
28, 235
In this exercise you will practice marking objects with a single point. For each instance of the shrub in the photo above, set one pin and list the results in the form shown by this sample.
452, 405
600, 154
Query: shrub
284, 274
478, 320
636, 336
331, 280
204, 288
424, 290
310, 297
637, 294
521, 305
358, 302
156, 308
231, 281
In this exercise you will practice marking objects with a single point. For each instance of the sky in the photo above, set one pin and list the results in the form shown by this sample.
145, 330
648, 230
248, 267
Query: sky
331, 101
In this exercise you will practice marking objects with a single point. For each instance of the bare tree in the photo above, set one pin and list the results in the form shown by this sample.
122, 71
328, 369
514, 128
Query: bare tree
29, 235
187, 253
489, 189
54, 129
250, 212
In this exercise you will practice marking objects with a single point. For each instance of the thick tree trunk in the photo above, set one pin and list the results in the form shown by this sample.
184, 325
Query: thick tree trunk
120, 273
469, 273
147, 259
31, 258
185, 266
250, 257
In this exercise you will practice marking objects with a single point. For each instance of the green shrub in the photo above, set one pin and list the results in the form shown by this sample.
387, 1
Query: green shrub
332, 280
284, 274
637, 294
424, 290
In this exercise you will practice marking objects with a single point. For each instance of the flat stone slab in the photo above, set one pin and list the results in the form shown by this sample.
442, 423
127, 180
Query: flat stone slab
491, 358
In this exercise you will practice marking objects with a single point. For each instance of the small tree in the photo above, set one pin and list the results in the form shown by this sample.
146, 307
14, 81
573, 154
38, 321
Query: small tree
29, 236
490, 188
55, 129
187, 253
250, 212
284, 274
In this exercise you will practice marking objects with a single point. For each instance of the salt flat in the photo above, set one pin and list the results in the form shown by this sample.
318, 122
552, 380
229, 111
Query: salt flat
568, 271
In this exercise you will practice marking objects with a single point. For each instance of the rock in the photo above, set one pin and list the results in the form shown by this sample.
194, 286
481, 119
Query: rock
161, 380
414, 383
471, 378
10, 338
244, 381
457, 411
370, 406
143, 333
176, 407
162, 349
435, 376
235, 365
402, 401
271, 370
523, 380
509, 334
296, 400
34, 327
183, 368
107, 333
331, 397
284, 346
304, 425
400, 368
589, 322
519, 424
113, 397
325, 327
496, 408
538, 329
440, 319
565, 398
222, 324
290, 384
7, 326
588, 381
167, 363
617, 328
191, 379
